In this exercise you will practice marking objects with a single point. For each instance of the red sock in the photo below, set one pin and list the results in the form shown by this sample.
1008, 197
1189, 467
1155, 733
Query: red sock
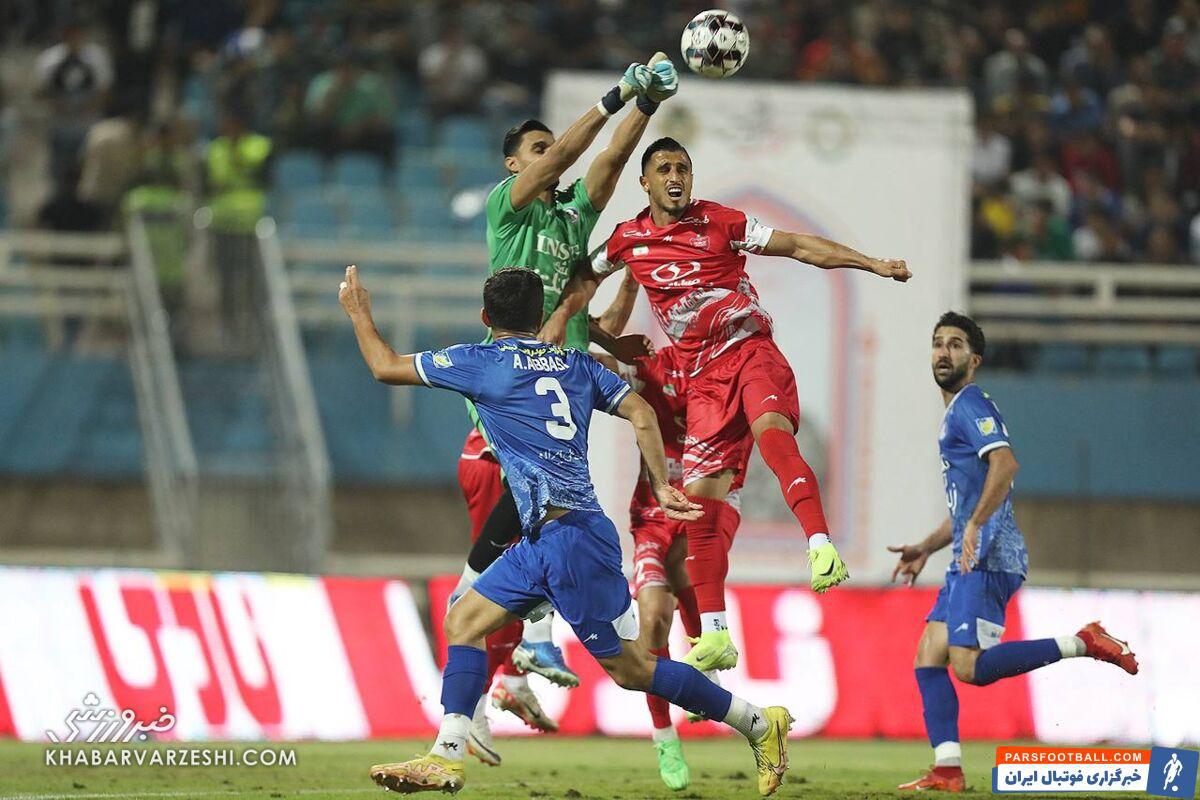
708, 555
796, 479
945, 772
500, 646
689, 614
660, 709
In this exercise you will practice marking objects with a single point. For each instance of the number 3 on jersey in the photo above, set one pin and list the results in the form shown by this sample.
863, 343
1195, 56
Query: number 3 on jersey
562, 409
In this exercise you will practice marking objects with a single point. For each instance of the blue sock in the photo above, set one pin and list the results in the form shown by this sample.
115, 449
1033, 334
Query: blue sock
940, 702
1014, 658
463, 679
686, 687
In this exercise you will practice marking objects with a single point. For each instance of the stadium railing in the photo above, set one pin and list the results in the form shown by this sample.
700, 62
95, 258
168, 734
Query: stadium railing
1036, 302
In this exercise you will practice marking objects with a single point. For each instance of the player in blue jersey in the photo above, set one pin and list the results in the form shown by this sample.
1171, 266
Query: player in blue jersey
989, 560
536, 401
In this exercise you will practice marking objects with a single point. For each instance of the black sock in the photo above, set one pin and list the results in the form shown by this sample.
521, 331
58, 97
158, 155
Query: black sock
502, 526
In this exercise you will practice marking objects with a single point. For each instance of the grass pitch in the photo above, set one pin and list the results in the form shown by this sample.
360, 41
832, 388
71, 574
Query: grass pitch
534, 769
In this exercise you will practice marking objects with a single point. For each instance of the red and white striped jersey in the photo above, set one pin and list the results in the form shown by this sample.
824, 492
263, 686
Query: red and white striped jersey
694, 271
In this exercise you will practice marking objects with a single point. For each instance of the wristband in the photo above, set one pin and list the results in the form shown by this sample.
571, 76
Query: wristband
646, 105
611, 103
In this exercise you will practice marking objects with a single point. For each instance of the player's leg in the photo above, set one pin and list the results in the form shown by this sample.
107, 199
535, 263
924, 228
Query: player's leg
707, 565
656, 609
765, 729
681, 585
501, 594
772, 409
976, 622
939, 702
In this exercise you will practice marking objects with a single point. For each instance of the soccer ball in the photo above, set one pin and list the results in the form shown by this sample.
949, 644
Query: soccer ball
715, 44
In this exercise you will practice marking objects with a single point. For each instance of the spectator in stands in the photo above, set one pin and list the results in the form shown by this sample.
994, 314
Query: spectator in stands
1041, 182
1162, 247
65, 211
1048, 233
1175, 69
1075, 109
1093, 62
350, 108
1100, 240
109, 156
236, 168
991, 158
1015, 69
452, 73
1085, 153
75, 76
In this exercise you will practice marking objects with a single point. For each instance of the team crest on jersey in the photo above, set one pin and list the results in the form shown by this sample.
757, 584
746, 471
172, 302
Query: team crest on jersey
986, 425
699, 242
442, 359
669, 389
571, 213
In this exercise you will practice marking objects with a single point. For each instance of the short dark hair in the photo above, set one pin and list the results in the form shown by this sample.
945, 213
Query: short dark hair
512, 298
512, 139
975, 339
664, 145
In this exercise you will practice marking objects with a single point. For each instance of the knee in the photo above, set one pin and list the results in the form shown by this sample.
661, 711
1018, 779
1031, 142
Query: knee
457, 626
772, 420
963, 665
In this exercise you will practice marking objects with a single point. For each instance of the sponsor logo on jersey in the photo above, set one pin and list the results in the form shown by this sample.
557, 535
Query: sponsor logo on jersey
641, 250
553, 247
674, 270
694, 220
636, 234
669, 389
986, 425
442, 359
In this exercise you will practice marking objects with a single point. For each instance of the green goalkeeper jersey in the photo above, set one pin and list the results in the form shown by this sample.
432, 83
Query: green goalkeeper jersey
548, 238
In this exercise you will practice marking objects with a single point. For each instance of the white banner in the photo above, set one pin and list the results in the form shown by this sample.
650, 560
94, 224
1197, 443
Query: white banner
884, 172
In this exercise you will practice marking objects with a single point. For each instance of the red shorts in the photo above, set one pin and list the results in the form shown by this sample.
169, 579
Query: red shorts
652, 539
730, 393
479, 479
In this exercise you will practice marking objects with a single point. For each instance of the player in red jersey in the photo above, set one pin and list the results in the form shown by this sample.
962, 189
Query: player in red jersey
689, 255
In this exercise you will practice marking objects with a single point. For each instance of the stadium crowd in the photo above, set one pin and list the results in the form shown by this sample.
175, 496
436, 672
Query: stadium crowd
1087, 144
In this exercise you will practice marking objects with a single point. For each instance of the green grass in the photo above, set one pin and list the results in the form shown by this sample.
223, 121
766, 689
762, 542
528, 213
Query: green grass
543, 767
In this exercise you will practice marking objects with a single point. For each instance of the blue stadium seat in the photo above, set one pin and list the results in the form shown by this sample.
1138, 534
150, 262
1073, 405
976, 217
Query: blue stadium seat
426, 215
1062, 358
357, 170
298, 169
311, 215
418, 172
1123, 359
369, 215
464, 133
1177, 360
413, 129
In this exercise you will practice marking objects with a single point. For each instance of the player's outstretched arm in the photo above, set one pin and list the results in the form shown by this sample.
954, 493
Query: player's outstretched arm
913, 556
576, 295
601, 178
386, 365
566, 150
1002, 468
649, 440
606, 330
828, 254
616, 316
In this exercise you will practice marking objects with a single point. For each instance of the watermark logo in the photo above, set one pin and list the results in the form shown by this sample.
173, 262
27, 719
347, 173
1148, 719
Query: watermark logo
1164, 771
108, 725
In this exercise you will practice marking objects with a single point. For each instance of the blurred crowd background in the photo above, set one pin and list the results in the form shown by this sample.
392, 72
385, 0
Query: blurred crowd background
1088, 111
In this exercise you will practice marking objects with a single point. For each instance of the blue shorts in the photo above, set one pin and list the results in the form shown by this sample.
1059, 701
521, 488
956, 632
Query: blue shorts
972, 606
574, 563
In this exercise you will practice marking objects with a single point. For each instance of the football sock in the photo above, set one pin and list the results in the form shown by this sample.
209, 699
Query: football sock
1014, 658
664, 734
713, 621
940, 704
536, 632
687, 688
660, 709
463, 679
948, 754
708, 556
796, 479
1071, 646
500, 646
689, 615
501, 527
451, 740
465, 582
746, 718
515, 683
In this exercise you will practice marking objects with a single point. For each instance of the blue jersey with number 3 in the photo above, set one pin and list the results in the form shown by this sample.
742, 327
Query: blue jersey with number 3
535, 401
972, 428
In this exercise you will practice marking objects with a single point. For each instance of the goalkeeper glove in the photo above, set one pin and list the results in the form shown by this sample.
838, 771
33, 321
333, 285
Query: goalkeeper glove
633, 83
664, 83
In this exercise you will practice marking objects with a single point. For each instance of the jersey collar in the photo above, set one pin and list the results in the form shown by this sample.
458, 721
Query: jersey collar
954, 399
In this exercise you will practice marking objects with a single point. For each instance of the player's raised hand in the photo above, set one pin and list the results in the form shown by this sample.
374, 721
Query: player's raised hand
664, 81
632, 346
354, 298
634, 82
968, 559
676, 505
894, 268
912, 561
